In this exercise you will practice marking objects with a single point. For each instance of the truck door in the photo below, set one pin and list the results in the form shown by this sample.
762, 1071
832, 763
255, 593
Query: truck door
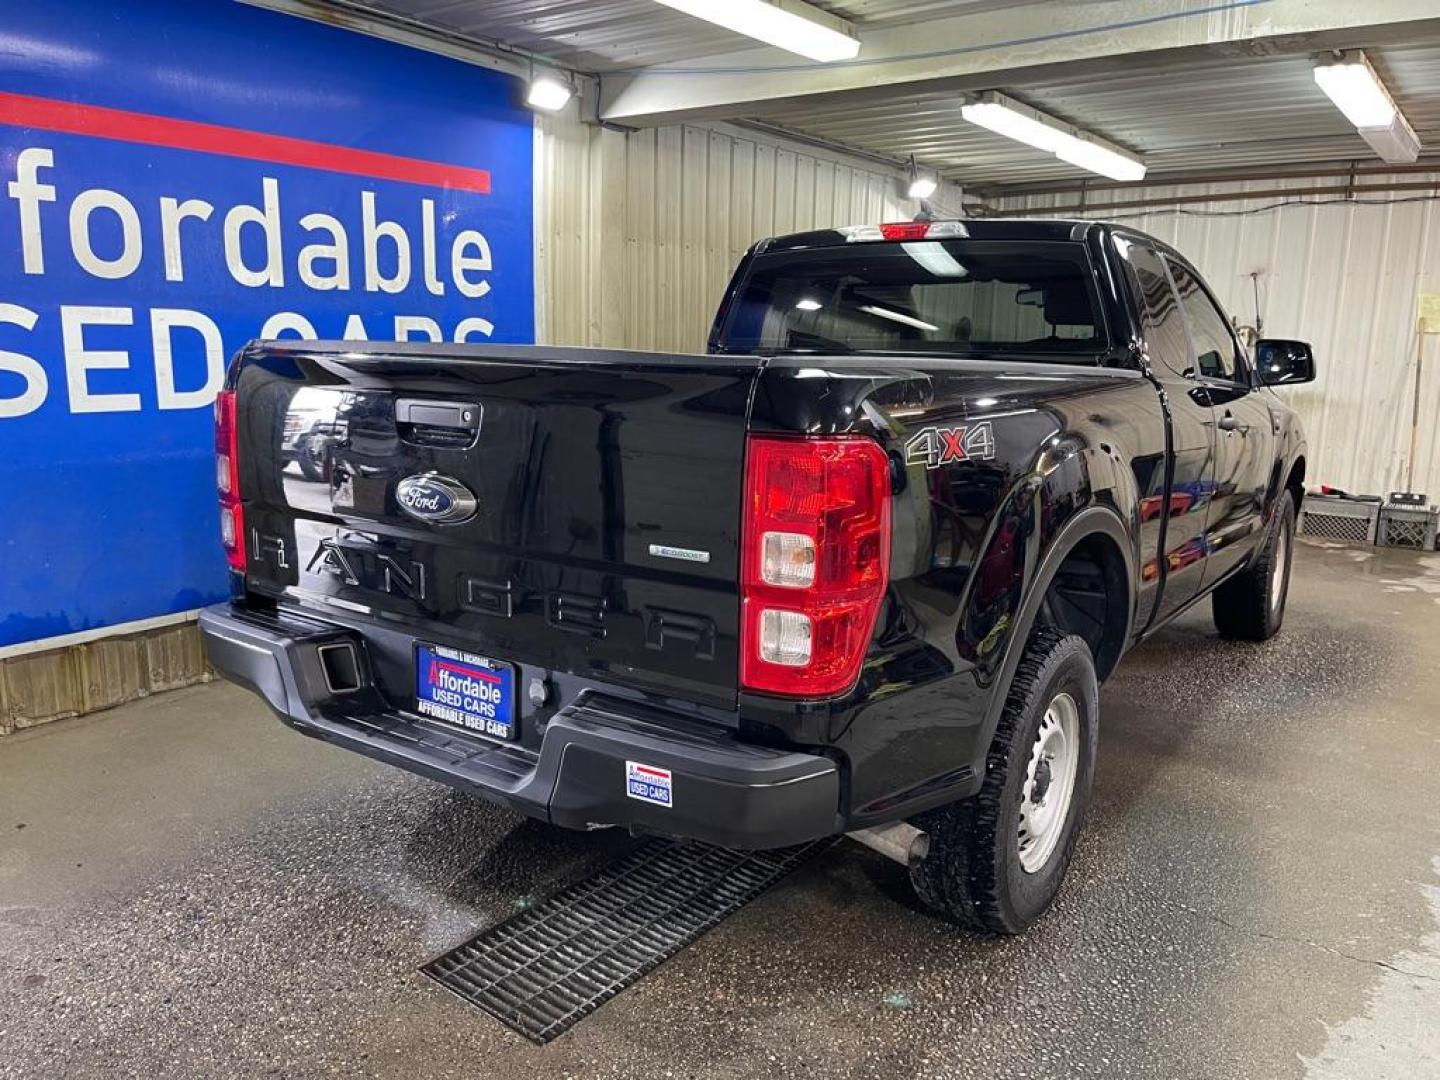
1174, 503
1240, 420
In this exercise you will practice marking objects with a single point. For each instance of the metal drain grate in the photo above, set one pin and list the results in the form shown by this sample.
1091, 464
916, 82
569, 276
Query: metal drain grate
545, 968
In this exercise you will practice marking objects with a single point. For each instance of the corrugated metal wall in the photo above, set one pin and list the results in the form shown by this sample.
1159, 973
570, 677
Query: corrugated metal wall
1344, 276
637, 233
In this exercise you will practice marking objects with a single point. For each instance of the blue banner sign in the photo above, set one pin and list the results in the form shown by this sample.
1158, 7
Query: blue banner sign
176, 179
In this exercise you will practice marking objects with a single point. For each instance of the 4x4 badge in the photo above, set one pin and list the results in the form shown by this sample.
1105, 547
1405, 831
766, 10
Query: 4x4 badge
936, 446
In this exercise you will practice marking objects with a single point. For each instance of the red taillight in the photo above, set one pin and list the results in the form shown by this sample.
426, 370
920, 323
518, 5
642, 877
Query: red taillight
227, 480
815, 558
905, 230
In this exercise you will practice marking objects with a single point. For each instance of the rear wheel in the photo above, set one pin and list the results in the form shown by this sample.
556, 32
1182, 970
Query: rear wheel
996, 861
1251, 605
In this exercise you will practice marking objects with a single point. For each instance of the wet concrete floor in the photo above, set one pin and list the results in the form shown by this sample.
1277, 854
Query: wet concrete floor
189, 889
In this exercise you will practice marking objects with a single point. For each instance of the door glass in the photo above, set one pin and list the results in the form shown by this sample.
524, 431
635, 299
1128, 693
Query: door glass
1214, 344
1164, 328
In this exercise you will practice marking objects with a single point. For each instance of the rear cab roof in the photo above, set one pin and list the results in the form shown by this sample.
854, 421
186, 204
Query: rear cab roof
1073, 230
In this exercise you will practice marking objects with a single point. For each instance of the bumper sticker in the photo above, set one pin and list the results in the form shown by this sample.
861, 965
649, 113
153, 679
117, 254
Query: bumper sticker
648, 784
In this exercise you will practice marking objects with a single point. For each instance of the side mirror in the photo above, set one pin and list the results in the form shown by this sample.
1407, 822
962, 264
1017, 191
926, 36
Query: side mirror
1281, 362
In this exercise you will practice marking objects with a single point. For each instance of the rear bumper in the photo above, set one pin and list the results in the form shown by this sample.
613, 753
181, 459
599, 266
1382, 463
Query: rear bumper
724, 792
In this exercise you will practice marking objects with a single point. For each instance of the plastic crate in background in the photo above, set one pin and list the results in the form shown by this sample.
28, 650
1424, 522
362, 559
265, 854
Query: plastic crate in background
1338, 518
1407, 521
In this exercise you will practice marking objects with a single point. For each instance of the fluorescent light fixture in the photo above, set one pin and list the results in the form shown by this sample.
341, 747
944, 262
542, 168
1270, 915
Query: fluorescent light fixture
1100, 159
549, 94
1351, 83
787, 24
896, 316
1002, 117
935, 258
1018, 121
808, 305
1395, 143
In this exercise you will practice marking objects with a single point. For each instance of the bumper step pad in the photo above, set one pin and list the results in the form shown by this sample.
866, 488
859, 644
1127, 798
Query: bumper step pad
551, 965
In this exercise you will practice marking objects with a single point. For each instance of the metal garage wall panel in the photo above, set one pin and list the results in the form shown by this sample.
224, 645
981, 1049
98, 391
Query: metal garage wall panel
638, 232
1342, 274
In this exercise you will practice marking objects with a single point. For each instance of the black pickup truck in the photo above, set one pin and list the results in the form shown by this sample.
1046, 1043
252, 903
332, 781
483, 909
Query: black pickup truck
858, 569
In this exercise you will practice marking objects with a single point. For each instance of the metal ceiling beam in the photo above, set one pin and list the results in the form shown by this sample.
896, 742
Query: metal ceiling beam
990, 49
389, 26
1346, 169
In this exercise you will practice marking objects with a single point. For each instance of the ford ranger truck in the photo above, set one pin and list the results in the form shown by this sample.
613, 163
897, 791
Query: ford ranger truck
857, 569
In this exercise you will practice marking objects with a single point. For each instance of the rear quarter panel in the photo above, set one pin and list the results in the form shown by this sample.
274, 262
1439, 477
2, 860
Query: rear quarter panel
971, 536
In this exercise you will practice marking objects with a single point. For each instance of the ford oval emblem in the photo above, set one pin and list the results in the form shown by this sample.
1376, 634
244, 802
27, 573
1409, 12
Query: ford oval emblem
437, 499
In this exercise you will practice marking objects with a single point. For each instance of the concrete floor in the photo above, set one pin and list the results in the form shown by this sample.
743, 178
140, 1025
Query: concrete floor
188, 889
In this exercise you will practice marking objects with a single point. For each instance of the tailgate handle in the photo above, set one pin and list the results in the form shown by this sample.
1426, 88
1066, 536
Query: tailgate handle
438, 423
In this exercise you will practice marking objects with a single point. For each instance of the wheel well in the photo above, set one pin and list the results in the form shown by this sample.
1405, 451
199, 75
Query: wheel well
1089, 595
1295, 482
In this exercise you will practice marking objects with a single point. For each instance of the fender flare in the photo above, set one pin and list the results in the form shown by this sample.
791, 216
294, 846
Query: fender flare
1093, 520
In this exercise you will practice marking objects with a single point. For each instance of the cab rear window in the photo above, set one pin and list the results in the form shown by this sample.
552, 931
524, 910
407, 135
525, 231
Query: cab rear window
932, 296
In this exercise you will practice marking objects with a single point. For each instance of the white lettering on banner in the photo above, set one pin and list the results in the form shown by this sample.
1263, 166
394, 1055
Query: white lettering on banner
337, 251
426, 325
273, 273
427, 242
460, 263
473, 325
162, 322
37, 384
373, 234
27, 190
85, 204
355, 329
384, 241
172, 213
113, 237
80, 361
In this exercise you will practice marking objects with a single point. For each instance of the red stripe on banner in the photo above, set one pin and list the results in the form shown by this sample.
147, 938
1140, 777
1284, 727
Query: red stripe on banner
661, 773
74, 119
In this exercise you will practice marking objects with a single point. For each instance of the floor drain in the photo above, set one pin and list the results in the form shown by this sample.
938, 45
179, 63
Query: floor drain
552, 964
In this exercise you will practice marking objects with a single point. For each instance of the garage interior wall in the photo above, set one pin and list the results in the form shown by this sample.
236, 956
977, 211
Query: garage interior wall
1343, 274
637, 233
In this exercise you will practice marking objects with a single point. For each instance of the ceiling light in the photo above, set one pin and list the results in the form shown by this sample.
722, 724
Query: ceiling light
1003, 118
808, 305
923, 184
922, 187
787, 24
1100, 159
1018, 121
1351, 83
549, 94
1395, 143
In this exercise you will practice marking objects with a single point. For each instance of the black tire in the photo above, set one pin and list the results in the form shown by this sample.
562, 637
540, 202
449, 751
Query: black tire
1251, 605
973, 873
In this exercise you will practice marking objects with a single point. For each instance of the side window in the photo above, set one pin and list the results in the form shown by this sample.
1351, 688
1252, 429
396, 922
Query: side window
1215, 350
1164, 325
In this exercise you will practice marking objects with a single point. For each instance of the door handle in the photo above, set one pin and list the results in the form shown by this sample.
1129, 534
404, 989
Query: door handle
1229, 423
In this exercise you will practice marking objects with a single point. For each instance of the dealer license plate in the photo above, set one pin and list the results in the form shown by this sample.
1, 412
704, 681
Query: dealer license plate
468, 691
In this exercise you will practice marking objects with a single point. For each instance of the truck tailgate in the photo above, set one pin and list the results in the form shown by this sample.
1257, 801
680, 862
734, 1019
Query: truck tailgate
603, 539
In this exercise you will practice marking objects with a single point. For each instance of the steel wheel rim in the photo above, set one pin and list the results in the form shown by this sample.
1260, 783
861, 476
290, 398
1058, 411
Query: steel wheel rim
1277, 567
1049, 783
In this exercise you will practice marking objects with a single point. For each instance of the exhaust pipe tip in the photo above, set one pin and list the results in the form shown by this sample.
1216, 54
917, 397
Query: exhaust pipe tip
899, 841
